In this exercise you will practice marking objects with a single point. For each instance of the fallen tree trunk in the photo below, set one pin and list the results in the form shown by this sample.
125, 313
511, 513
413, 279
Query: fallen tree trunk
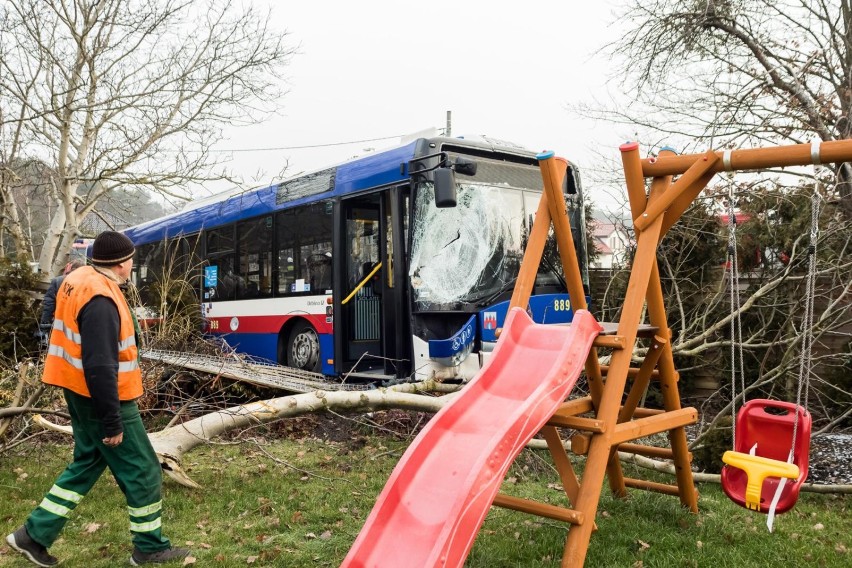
172, 443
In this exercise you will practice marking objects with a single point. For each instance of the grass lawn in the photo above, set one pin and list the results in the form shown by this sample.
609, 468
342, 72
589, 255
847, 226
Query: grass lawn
298, 501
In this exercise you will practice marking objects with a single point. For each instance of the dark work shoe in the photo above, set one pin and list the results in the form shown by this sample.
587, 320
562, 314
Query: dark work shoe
37, 554
138, 557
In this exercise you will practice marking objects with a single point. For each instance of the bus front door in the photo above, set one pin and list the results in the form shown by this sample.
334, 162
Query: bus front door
369, 308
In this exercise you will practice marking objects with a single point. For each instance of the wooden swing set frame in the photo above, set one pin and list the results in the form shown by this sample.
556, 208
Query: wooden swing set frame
605, 424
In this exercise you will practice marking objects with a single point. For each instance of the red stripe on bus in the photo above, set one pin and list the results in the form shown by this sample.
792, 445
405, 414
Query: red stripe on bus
264, 324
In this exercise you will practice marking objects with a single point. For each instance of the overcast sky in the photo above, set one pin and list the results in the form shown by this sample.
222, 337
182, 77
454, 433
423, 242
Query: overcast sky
382, 68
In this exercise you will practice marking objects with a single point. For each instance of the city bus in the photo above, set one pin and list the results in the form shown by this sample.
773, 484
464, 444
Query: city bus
396, 265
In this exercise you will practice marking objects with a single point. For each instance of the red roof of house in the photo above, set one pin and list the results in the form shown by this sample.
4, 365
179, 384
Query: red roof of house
740, 217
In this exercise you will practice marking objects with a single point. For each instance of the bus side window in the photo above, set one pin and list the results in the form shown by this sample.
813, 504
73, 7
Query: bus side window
220, 253
286, 227
192, 246
254, 256
319, 270
286, 271
229, 283
303, 245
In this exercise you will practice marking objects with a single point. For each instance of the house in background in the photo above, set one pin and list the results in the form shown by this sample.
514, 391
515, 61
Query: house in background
611, 243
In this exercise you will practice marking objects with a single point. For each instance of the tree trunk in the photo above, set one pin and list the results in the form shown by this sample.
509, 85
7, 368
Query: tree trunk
172, 443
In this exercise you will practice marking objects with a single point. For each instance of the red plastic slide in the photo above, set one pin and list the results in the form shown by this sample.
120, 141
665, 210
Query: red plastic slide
435, 500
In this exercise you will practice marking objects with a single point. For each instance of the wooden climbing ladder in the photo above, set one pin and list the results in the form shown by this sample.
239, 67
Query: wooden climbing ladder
606, 420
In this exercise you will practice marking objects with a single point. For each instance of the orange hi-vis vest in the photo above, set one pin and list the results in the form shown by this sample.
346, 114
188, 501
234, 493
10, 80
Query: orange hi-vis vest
63, 366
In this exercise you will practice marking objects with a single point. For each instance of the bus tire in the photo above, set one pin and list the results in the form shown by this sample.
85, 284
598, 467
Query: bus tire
303, 349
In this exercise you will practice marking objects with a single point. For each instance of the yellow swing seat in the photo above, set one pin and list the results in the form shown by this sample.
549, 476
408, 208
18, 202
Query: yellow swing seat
757, 469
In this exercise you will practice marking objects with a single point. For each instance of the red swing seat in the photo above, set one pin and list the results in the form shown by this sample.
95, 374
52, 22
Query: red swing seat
769, 424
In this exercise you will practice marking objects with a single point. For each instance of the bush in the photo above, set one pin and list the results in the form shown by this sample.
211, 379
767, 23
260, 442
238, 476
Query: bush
18, 310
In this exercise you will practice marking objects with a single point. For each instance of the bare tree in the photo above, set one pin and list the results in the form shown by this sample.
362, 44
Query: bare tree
738, 72
748, 73
124, 94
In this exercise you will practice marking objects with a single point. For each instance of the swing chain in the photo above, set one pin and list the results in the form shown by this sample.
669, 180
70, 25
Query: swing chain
806, 360
736, 322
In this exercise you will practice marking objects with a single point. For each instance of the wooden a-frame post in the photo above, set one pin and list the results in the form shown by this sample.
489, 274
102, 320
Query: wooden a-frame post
604, 423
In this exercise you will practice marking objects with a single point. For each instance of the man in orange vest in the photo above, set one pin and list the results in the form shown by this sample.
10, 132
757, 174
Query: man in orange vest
92, 355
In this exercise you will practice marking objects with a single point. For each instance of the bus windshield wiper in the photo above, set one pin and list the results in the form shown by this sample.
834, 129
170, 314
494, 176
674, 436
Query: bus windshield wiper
552, 269
484, 300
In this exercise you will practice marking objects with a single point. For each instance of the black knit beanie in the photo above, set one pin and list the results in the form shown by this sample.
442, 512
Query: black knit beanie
111, 248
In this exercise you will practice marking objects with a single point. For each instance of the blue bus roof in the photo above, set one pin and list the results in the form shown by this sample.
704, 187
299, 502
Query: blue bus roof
374, 170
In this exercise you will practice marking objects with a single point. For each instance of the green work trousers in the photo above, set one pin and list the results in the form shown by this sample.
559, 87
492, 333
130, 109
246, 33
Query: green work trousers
133, 463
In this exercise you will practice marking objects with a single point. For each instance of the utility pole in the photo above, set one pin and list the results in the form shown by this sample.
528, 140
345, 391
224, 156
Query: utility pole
449, 129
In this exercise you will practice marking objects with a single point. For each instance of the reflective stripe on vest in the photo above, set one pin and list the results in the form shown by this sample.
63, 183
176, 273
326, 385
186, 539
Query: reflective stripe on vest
64, 362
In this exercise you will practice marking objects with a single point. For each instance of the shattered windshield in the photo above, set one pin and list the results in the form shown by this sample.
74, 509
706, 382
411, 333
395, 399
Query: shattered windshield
468, 254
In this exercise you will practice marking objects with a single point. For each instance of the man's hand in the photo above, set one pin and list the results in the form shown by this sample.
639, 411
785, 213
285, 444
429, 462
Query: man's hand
113, 441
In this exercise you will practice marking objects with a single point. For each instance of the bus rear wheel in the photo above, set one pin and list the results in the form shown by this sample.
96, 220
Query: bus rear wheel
303, 350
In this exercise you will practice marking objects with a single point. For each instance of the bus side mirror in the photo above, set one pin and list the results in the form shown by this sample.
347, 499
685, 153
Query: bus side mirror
445, 188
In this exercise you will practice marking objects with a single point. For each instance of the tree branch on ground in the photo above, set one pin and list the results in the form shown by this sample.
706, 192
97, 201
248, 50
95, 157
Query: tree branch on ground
172, 443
